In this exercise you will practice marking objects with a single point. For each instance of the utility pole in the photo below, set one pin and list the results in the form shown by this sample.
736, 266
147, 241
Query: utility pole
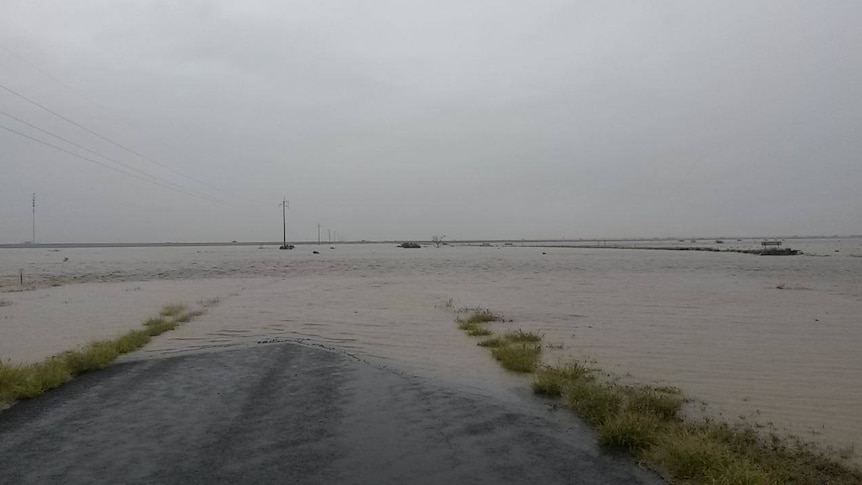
318, 234
34, 218
330, 235
284, 205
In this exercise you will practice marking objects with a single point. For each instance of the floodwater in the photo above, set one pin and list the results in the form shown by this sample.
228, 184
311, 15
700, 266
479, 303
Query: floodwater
717, 325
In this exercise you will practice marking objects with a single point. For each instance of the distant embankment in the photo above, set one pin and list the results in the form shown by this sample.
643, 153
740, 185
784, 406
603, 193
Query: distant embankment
760, 252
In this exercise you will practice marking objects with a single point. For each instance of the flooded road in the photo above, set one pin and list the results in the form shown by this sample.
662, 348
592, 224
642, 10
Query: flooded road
285, 413
715, 324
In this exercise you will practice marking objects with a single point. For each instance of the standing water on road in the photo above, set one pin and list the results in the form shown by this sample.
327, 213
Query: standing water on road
770, 339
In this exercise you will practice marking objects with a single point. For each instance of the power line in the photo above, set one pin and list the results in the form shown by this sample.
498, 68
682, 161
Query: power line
86, 98
127, 166
47, 74
73, 122
110, 167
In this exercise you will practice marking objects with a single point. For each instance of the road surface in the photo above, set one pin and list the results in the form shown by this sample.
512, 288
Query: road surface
287, 413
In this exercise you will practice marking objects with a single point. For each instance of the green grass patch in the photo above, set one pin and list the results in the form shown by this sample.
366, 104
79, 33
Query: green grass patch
594, 401
474, 329
647, 422
690, 453
187, 316
30, 380
473, 323
27, 381
158, 325
518, 357
173, 309
551, 380
93, 356
522, 336
481, 315
493, 342
628, 430
510, 337
659, 402
132, 341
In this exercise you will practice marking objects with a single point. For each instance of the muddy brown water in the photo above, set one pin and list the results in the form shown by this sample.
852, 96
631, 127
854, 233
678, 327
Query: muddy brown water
713, 324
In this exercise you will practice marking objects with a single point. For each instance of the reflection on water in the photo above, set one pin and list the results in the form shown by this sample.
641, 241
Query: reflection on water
714, 324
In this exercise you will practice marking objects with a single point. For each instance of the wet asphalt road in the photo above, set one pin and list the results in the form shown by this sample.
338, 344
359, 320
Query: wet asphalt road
287, 413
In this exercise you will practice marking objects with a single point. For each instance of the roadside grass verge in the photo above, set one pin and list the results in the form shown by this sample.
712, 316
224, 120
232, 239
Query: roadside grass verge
158, 325
474, 323
594, 401
187, 316
481, 315
492, 342
647, 422
173, 309
518, 356
517, 351
30, 380
551, 380
522, 336
474, 329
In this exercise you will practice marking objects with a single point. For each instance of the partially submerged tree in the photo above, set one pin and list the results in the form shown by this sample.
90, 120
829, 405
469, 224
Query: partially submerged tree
437, 240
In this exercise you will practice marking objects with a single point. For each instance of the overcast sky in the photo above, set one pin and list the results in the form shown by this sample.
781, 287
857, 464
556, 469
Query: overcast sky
403, 119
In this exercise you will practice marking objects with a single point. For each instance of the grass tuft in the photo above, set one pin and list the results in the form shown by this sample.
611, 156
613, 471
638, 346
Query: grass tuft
518, 357
159, 325
473, 323
522, 336
481, 315
492, 342
659, 402
27, 381
93, 356
172, 309
551, 380
187, 316
692, 453
474, 329
594, 401
132, 341
630, 431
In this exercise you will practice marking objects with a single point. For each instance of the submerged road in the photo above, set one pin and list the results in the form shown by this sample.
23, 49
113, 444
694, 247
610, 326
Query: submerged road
285, 413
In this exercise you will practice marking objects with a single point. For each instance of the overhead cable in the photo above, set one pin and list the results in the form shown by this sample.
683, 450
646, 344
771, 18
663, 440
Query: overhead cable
127, 166
110, 167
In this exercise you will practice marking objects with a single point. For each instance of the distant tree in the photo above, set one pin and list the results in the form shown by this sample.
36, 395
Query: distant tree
437, 240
